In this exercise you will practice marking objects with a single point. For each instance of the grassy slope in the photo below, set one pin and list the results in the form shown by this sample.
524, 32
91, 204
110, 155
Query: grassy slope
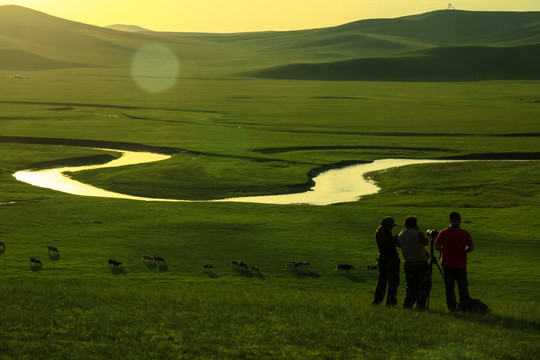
470, 63
76, 307
211, 55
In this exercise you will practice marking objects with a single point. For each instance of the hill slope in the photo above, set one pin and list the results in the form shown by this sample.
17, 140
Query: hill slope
128, 28
22, 60
470, 63
367, 49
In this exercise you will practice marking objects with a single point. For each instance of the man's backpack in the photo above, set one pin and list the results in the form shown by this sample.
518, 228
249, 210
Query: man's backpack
473, 306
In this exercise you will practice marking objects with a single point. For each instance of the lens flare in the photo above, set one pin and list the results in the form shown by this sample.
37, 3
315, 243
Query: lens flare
155, 68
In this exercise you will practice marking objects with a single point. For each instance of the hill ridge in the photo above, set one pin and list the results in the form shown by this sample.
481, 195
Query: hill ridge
382, 45
453, 63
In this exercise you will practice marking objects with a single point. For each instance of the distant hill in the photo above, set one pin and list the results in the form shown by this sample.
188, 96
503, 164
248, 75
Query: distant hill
23, 60
470, 63
456, 27
67, 42
128, 28
435, 46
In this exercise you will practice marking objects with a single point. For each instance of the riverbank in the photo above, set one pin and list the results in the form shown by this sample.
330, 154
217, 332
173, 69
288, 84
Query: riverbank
333, 183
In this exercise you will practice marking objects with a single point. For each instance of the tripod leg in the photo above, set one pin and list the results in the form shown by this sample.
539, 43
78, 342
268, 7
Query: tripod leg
434, 261
440, 270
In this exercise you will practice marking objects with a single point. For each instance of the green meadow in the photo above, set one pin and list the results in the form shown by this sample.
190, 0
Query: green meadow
237, 135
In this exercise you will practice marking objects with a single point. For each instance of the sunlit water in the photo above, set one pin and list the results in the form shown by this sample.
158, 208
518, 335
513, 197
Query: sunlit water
56, 179
333, 186
336, 186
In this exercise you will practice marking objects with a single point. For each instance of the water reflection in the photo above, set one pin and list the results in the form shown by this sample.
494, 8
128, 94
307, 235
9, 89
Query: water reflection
56, 179
333, 186
338, 185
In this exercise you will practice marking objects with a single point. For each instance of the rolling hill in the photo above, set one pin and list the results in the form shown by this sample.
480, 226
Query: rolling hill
457, 63
128, 28
435, 46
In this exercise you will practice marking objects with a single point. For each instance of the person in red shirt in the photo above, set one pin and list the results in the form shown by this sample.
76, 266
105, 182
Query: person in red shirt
454, 243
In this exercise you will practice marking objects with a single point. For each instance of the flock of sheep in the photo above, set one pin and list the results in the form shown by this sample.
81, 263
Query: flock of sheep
158, 261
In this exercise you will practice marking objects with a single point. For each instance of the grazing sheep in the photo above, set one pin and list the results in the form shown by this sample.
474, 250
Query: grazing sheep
207, 267
372, 267
296, 265
255, 269
159, 259
147, 259
53, 250
239, 265
344, 267
115, 264
291, 265
35, 262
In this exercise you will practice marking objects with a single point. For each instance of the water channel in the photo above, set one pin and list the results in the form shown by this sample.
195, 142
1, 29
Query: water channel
333, 186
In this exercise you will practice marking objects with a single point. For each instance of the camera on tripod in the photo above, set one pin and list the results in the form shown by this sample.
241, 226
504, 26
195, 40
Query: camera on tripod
432, 233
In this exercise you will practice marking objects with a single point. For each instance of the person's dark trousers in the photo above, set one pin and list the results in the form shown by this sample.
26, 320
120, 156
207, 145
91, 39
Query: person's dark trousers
452, 276
418, 276
388, 274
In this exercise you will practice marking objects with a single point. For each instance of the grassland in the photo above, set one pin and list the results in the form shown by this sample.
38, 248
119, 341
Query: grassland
242, 136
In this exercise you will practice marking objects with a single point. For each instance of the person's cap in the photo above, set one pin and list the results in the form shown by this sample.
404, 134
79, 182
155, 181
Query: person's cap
388, 221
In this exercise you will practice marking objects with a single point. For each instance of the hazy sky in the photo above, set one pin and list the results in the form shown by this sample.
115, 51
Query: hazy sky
250, 15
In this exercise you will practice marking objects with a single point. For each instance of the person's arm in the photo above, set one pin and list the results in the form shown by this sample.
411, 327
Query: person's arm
470, 246
438, 242
422, 238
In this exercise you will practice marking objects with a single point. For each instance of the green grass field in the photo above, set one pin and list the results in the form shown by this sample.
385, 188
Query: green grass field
234, 136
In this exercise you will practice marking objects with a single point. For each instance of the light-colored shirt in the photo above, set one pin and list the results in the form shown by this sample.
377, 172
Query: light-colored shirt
412, 243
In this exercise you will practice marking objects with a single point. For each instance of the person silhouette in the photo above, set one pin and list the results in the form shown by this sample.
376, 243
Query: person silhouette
388, 263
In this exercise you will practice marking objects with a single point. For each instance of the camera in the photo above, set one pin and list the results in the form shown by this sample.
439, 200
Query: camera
432, 233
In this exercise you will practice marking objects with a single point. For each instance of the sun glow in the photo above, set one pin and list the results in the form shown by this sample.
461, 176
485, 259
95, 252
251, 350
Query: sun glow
155, 68
249, 15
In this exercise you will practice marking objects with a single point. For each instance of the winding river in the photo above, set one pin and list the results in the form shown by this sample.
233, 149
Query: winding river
333, 186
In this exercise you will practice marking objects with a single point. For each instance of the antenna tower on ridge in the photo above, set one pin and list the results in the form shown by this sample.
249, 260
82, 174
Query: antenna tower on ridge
450, 7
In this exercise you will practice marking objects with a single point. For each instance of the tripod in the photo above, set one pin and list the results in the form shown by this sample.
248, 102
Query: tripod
433, 260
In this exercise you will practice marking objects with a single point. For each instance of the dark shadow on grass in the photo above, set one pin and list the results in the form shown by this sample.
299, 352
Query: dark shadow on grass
150, 265
54, 256
118, 270
211, 274
87, 143
163, 267
496, 156
305, 274
278, 150
105, 106
494, 320
353, 277
242, 272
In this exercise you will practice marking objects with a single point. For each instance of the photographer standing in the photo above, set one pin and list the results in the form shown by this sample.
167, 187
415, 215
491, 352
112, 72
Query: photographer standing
417, 269
454, 243
387, 263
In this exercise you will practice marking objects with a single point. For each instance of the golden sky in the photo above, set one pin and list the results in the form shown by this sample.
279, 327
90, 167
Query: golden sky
250, 15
